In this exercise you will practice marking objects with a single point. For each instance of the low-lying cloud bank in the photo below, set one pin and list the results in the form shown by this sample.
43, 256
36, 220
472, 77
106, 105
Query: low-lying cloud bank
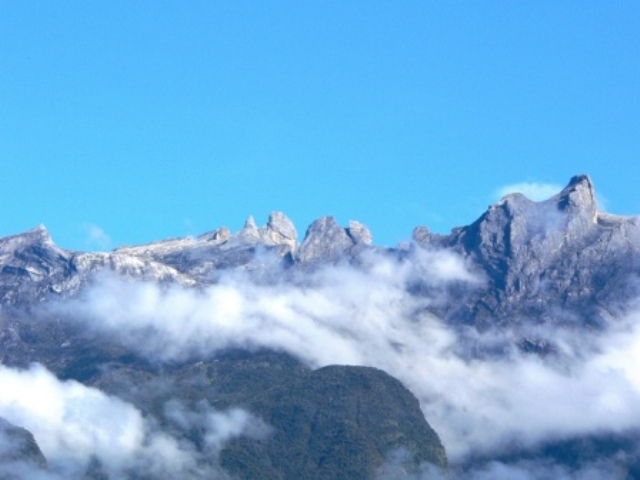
366, 316
80, 429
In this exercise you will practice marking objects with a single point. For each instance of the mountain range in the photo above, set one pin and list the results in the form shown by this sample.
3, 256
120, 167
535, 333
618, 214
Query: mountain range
503, 349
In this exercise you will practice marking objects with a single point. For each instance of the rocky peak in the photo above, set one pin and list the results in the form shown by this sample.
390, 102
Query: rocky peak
250, 223
216, 236
326, 240
578, 197
527, 250
250, 230
359, 233
280, 230
515, 220
36, 236
40, 234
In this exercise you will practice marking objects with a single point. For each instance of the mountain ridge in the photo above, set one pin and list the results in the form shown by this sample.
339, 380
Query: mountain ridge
517, 283
518, 245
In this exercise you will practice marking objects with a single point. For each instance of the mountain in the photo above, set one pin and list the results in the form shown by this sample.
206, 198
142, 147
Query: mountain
561, 251
268, 339
333, 422
33, 268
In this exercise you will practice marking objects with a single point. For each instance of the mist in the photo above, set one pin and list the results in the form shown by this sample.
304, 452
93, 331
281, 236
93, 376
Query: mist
366, 315
80, 429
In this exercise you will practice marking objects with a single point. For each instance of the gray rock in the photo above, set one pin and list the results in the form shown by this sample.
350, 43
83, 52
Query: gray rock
217, 236
541, 259
538, 259
249, 232
29, 264
559, 261
17, 445
281, 231
325, 241
421, 235
359, 233
578, 197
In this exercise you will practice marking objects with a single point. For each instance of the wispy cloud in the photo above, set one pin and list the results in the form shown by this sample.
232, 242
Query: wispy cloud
366, 316
532, 190
97, 238
75, 425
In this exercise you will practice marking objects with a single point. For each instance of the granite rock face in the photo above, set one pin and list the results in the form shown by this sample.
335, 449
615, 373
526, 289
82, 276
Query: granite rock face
325, 240
33, 267
278, 231
559, 253
30, 261
359, 233
281, 231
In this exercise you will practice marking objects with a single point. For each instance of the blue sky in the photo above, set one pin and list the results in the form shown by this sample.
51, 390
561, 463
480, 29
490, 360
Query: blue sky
127, 122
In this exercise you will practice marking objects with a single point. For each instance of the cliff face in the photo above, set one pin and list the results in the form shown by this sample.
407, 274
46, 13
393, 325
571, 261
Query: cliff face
542, 258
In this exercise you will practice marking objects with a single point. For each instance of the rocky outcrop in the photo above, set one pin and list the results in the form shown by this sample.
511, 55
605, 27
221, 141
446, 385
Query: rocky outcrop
326, 241
578, 198
32, 266
359, 233
31, 263
560, 254
19, 452
278, 231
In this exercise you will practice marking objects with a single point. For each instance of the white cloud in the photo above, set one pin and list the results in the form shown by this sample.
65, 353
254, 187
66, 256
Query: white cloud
73, 423
70, 422
532, 190
219, 426
344, 315
96, 237
540, 470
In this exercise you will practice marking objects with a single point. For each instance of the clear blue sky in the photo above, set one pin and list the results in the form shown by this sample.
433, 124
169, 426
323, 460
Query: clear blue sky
144, 120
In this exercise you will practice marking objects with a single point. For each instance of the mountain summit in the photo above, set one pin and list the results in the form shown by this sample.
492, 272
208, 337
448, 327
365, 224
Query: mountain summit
578, 197
561, 251
527, 252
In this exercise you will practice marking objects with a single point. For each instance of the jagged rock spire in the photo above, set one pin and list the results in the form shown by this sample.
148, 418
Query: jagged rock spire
327, 240
38, 235
578, 197
280, 230
359, 232
250, 223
